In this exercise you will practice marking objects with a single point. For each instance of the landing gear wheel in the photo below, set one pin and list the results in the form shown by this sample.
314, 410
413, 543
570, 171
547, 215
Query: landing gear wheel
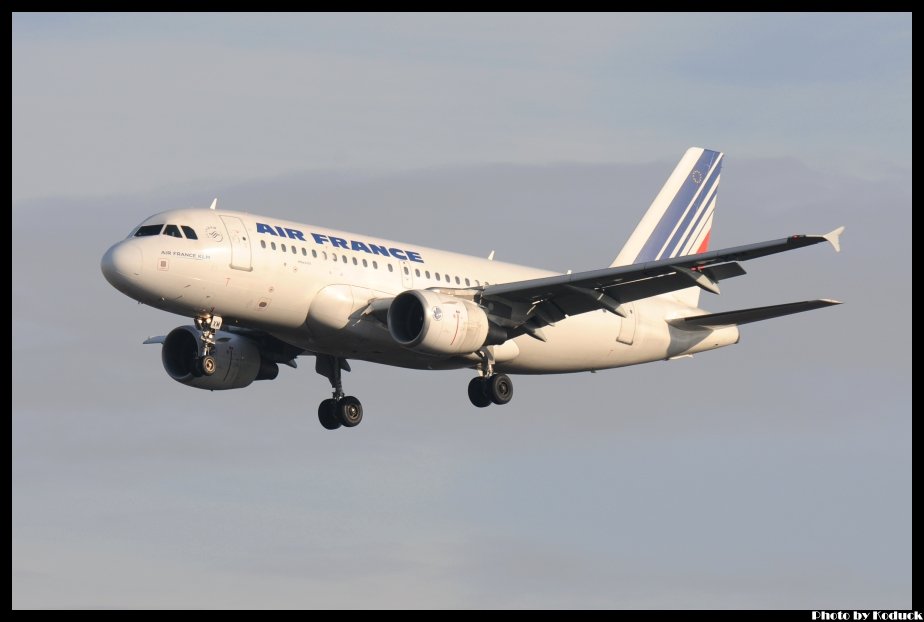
208, 365
478, 392
500, 388
350, 411
327, 414
207, 325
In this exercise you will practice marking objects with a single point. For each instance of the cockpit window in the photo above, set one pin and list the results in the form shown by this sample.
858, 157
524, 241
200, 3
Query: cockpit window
148, 230
172, 230
190, 234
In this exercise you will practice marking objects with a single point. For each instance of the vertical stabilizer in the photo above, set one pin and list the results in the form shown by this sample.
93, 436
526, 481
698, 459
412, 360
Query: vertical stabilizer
679, 220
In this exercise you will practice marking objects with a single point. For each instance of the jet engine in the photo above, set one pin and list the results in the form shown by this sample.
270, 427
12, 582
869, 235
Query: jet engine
438, 324
238, 360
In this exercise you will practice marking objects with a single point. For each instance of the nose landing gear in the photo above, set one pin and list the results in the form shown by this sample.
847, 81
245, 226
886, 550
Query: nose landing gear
207, 325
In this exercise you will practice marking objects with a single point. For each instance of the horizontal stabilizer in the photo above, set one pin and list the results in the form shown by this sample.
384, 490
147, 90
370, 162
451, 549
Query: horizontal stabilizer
158, 339
745, 316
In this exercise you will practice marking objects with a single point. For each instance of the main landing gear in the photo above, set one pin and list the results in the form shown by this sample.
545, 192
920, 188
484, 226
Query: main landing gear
488, 387
339, 410
208, 325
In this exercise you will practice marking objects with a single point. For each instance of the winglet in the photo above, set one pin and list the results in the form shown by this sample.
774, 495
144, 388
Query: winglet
214, 203
158, 339
835, 238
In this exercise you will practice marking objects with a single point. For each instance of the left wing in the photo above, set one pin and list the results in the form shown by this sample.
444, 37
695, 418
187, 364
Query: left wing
535, 303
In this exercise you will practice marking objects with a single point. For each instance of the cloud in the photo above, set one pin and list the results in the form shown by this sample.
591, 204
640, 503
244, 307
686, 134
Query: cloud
107, 104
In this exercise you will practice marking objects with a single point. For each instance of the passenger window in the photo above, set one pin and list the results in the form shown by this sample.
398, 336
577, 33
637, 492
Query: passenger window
437, 275
365, 264
390, 268
344, 258
314, 253
477, 282
446, 277
146, 230
427, 272
325, 254
375, 265
355, 263
263, 243
173, 231
333, 256
304, 252
273, 245
294, 250
467, 283
417, 271
190, 234
458, 282
283, 246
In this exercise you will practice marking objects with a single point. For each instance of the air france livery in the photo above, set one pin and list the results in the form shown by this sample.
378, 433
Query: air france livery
262, 291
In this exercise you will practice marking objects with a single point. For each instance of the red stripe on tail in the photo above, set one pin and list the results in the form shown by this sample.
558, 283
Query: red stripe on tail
705, 245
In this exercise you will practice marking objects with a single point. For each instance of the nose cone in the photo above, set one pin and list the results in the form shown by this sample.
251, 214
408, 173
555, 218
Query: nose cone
121, 264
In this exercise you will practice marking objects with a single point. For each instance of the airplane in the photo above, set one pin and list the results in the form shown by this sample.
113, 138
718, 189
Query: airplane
262, 291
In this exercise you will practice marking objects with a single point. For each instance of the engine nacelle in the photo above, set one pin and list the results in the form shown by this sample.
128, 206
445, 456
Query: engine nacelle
238, 358
439, 324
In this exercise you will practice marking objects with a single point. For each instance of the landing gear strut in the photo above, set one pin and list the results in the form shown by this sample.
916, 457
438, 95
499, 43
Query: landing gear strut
489, 387
208, 325
339, 410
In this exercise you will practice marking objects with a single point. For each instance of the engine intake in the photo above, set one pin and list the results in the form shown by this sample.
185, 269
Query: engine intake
239, 360
438, 324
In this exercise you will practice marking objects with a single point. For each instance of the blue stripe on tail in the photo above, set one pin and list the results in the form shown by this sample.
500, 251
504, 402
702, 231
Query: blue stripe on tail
667, 234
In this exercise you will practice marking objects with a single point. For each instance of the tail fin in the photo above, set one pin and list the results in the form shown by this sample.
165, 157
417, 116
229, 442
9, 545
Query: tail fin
679, 220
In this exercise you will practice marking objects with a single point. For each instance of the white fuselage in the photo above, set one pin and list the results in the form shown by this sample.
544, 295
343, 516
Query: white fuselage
312, 286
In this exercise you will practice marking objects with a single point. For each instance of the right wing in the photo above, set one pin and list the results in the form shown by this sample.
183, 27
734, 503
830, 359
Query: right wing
534, 303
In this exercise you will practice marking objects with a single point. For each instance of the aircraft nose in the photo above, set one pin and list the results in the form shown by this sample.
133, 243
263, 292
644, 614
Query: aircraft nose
121, 263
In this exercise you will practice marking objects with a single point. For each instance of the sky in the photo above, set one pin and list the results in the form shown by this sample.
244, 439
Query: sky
774, 474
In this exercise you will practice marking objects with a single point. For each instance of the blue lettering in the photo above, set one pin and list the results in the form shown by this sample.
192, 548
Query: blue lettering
379, 250
354, 245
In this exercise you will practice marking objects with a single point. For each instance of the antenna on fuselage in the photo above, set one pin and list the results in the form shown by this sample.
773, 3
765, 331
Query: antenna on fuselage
491, 256
214, 203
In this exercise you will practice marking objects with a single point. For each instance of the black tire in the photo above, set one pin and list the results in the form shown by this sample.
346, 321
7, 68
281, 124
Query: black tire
208, 365
478, 392
327, 414
350, 411
500, 388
